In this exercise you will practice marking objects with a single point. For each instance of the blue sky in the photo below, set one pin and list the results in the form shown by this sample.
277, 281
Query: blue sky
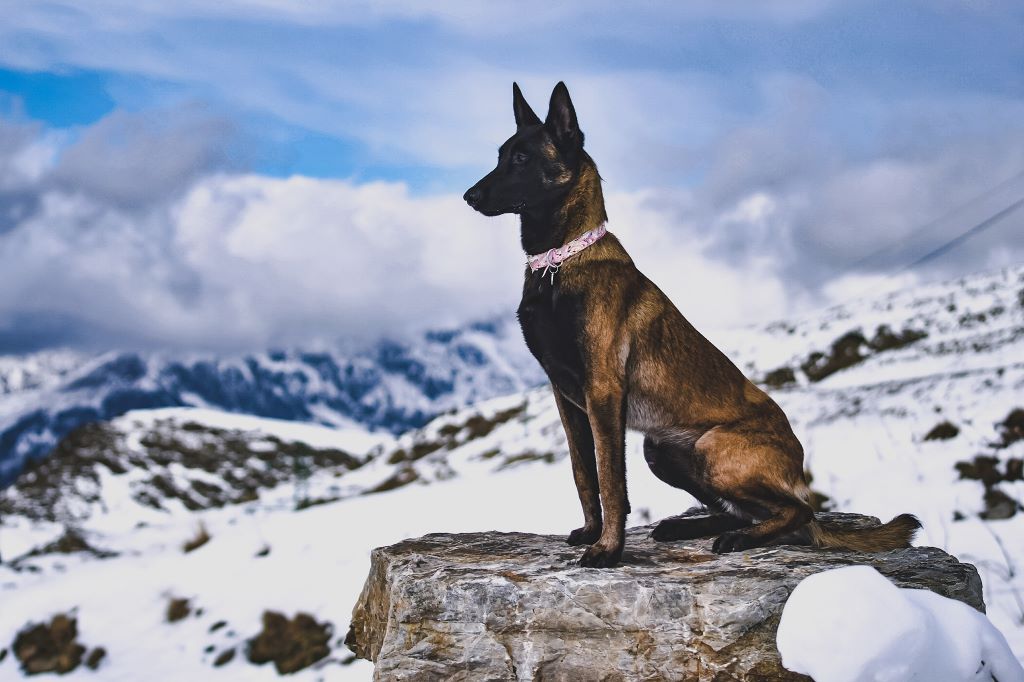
861, 54
790, 139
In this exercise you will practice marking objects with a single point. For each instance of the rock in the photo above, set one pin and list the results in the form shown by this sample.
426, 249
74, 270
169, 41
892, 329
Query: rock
515, 606
291, 644
178, 608
224, 658
95, 657
47, 648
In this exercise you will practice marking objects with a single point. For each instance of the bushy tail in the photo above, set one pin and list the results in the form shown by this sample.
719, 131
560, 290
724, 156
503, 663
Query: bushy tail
896, 534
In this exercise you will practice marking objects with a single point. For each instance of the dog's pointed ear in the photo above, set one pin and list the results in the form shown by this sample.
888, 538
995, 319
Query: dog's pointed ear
561, 121
524, 114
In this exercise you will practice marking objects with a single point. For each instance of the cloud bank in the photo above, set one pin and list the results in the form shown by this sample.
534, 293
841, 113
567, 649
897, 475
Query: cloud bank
759, 158
139, 233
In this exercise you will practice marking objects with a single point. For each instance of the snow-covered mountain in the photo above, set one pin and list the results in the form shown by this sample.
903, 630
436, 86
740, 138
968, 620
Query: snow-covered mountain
908, 402
390, 385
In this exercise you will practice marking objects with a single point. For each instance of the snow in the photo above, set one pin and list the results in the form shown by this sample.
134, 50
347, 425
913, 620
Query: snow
318, 560
862, 429
346, 434
852, 625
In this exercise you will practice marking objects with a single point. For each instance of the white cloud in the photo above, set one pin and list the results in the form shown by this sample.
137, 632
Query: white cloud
139, 232
179, 253
461, 15
440, 102
132, 159
289, 260
709, 291
246, 261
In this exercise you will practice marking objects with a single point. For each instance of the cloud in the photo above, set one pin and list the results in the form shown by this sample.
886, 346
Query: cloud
461, 15
421, 83
294, 259
170, 247
786, 190
25, 155
164, 249
675, 254
186, 255
757, 159
130, 159
252, 262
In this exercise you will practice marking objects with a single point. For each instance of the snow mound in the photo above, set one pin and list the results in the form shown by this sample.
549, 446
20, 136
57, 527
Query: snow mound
851, 624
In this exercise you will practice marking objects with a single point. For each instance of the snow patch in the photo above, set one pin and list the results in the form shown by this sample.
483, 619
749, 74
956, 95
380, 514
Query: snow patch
852, 625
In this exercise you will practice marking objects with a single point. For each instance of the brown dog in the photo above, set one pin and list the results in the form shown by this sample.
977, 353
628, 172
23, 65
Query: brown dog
620, 355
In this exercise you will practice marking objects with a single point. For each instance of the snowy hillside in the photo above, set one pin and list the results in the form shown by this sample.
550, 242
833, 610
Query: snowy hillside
904, 403
390, 386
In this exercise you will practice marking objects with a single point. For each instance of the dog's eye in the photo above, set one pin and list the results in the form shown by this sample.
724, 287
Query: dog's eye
519, 158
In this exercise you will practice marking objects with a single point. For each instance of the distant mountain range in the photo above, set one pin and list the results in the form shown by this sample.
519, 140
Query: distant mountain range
391, 385
395, 386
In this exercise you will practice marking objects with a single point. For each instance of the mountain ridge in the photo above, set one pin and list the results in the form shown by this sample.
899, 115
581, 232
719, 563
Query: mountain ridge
391, 385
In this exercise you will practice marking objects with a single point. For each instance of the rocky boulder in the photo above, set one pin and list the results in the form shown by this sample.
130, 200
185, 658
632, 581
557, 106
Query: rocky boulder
515, 606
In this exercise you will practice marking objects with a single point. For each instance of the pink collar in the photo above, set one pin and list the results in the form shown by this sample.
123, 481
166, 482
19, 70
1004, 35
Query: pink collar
551, 259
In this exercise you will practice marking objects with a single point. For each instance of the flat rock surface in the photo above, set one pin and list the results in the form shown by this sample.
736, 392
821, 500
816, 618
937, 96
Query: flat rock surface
514, 606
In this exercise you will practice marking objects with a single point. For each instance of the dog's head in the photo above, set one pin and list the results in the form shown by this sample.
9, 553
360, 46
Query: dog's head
537, 165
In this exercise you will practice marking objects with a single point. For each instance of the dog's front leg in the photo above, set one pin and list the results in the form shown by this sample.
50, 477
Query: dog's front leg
606, 408
584, 469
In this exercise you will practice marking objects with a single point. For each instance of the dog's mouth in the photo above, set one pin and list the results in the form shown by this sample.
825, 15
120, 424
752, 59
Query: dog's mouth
517, 207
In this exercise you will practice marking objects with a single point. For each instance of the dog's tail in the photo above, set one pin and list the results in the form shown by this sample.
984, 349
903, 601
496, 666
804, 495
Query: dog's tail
896, 534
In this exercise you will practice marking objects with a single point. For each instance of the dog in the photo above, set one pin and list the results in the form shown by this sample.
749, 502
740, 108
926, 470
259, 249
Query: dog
620, 355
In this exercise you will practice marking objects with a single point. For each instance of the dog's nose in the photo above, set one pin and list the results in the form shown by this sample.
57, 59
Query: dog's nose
472, 196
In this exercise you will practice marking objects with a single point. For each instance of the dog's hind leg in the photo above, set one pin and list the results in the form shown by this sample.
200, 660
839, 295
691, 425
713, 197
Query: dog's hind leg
759, 475
693, 527
676, 464
783, 520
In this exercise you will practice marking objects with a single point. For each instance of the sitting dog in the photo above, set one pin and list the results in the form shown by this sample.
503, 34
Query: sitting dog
620, 355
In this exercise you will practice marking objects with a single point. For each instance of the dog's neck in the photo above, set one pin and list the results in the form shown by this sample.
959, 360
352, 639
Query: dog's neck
581, 209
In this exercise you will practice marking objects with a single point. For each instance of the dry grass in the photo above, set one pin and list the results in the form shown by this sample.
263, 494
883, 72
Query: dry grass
201, 537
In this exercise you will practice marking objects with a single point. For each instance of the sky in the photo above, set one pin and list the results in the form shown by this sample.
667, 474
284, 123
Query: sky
254, 173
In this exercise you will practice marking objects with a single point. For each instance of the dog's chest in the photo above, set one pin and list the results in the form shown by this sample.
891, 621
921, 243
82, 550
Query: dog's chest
551, 321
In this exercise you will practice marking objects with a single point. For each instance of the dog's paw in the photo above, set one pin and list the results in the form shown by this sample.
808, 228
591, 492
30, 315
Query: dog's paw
599, 556
732, 541
584, 536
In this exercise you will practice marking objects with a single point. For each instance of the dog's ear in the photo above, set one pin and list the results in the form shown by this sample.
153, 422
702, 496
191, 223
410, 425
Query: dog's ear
524, 114
561, 121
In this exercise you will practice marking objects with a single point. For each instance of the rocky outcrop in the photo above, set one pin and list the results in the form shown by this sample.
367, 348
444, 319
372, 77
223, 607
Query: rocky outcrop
515, 606
292, 644
53, 647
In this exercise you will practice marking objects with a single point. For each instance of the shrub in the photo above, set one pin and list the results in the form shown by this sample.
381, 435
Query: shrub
777, 378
